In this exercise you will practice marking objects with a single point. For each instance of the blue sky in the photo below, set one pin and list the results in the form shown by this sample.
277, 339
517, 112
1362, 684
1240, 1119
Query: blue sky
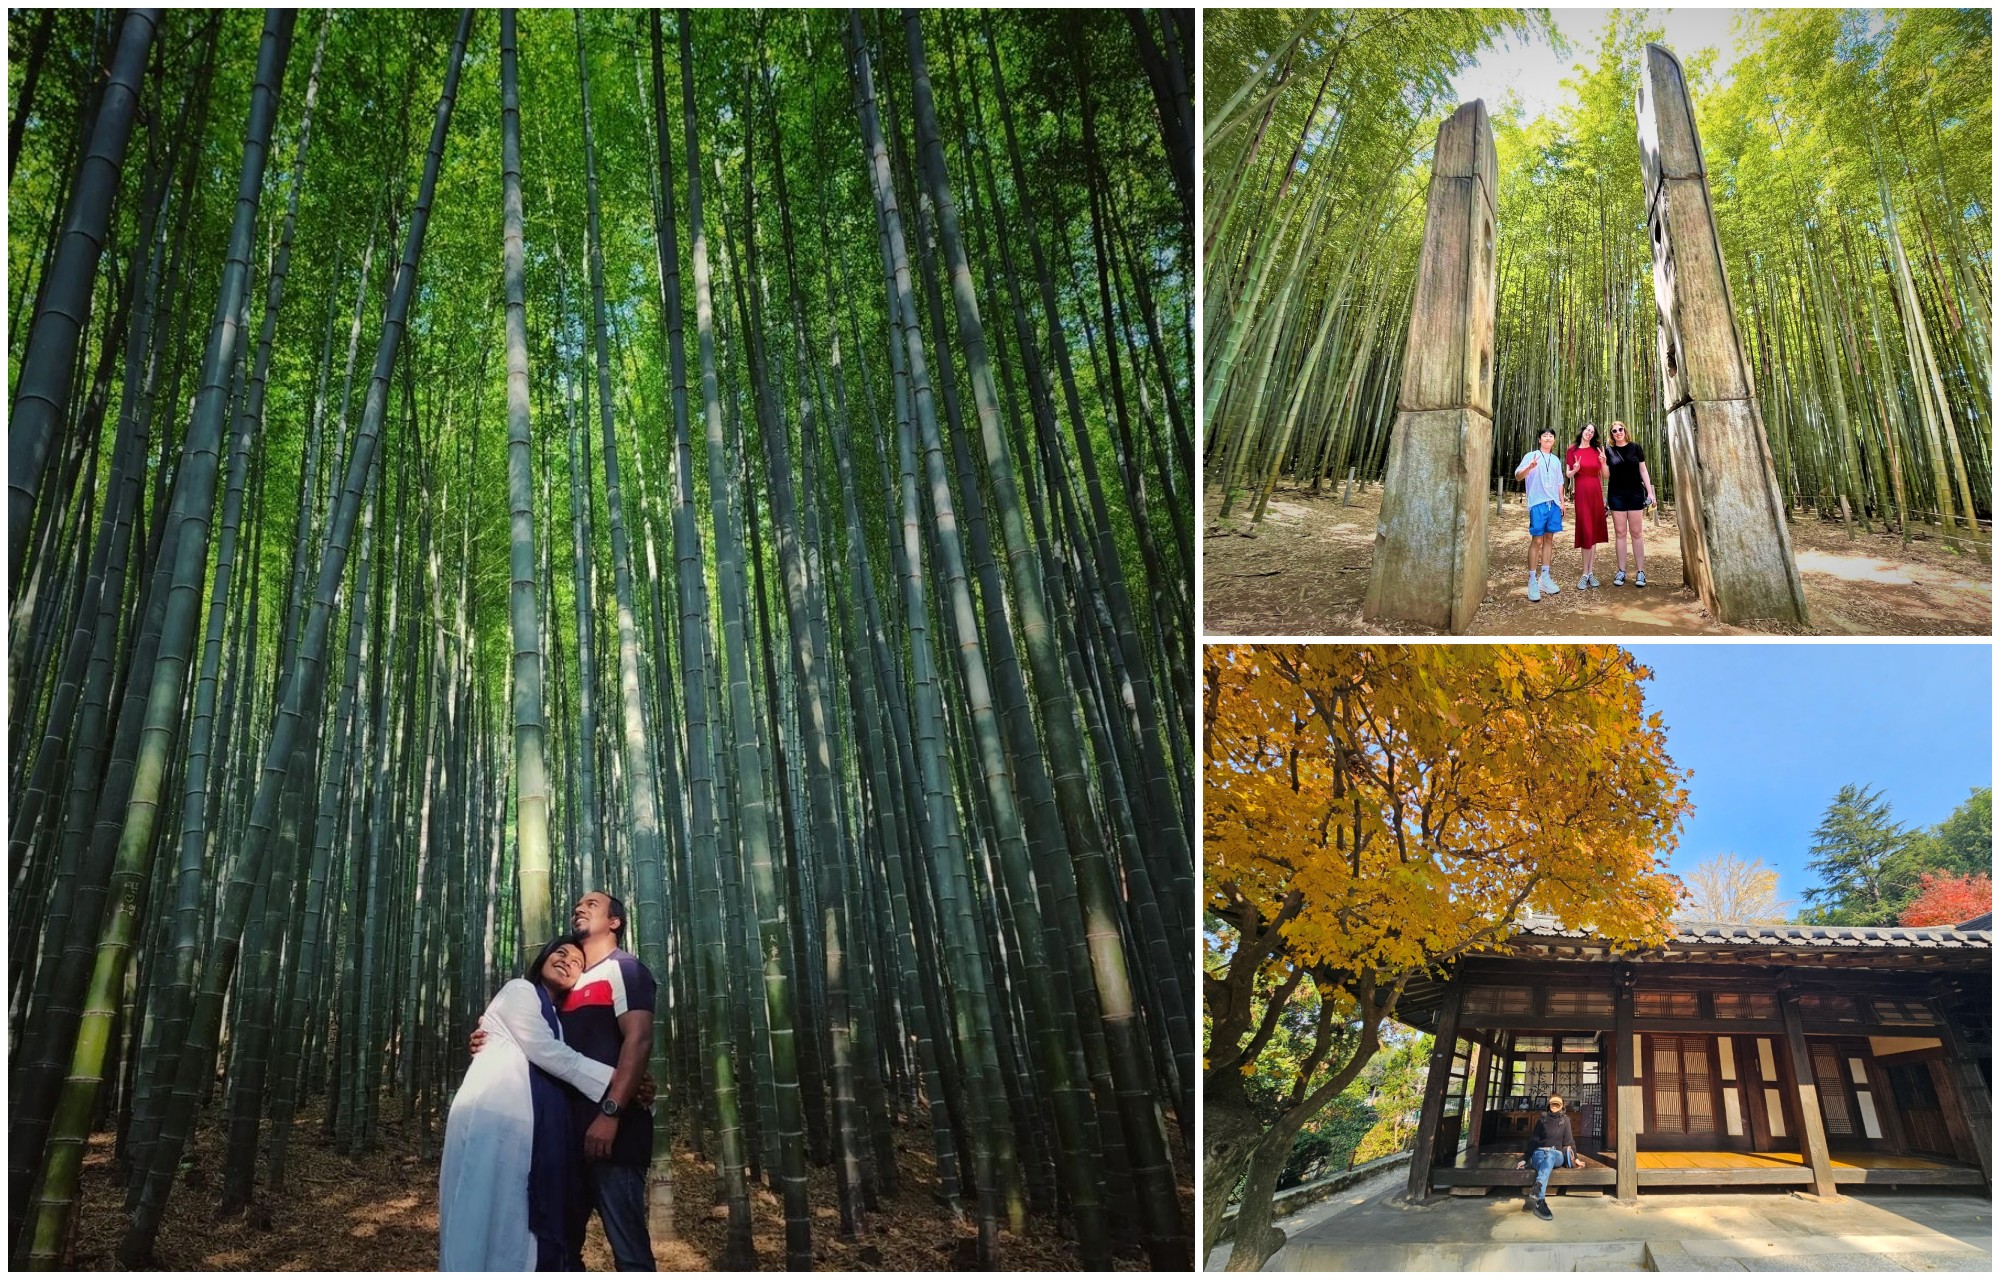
1772, 731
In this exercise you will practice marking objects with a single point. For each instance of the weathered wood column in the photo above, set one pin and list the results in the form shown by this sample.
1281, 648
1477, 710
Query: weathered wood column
1624, 1070
1812, 1124
1966, 1143
1430, 538
1735, 549
1478, 1067
1967, 1101
1435, 1085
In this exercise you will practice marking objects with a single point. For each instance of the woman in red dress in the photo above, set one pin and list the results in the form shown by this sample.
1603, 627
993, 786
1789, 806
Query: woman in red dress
1584, 465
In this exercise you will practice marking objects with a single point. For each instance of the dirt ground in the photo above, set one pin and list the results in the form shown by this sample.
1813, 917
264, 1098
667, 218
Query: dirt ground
1304, 572
379, 1213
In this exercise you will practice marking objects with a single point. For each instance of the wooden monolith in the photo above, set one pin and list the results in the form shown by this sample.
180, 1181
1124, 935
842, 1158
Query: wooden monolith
1430, 539
1735, 549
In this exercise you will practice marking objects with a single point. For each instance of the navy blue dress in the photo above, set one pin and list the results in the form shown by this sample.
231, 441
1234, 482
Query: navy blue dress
555, 1178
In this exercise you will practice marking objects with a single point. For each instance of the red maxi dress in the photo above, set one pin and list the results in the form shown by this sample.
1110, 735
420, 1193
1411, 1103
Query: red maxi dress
1589, 464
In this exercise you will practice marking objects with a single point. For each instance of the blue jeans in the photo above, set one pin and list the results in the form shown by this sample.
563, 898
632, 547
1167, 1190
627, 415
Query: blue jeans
618, 1193
1544, 1161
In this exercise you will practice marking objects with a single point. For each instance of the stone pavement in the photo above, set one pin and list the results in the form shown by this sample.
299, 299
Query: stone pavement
1319, 1211
1369, 1228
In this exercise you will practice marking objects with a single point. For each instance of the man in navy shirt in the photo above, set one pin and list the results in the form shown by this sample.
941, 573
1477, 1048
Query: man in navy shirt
609, 1017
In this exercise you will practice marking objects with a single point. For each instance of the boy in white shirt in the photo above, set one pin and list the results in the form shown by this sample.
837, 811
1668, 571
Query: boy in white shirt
1543, 472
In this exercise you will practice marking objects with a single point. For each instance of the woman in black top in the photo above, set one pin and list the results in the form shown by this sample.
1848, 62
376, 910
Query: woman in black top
1628, 491
1551, 1144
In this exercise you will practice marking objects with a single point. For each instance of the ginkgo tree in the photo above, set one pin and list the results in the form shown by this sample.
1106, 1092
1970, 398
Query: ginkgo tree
1372, 813
1725, 887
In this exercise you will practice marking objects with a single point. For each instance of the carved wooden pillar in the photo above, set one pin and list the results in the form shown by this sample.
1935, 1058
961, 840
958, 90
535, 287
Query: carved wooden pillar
1735, 549
1430, 540
1435, 1085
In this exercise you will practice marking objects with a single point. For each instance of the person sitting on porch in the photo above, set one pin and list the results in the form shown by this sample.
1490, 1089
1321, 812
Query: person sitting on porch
1550, 1144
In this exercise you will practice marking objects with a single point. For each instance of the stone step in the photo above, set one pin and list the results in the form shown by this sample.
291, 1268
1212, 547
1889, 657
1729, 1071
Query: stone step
1623, 1255
1790, 1253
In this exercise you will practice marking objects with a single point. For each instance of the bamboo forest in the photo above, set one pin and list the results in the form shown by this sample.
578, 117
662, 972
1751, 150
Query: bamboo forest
1848, 160
465, 465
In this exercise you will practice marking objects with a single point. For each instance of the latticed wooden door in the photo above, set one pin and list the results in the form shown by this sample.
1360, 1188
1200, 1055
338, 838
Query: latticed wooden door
1834, 1104
1680, 1090
1853, 1096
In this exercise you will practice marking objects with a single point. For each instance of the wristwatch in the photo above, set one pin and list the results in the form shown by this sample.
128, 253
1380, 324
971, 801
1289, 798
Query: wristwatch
609, 1106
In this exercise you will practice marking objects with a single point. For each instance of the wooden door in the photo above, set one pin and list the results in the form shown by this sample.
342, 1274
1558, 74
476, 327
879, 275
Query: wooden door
1924, 1127
1683, 1106
1847, 1095
1770, 1095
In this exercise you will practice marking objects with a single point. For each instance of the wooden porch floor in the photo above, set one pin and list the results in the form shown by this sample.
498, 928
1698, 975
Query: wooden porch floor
1716, 1168
1771, 1159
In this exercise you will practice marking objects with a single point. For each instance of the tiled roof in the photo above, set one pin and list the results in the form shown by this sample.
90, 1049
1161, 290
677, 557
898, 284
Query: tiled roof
1813, 936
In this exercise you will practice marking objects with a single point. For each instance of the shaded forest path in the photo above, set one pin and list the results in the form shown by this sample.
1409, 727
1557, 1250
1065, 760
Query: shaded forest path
380, 1213
1305, 571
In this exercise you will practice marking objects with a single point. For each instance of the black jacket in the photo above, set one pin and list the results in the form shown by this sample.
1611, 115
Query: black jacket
1551, 1130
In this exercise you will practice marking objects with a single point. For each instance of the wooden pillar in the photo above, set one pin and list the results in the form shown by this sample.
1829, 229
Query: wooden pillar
1963, 1094
1478, 1068
1430, 538
1736, 551
1812, 1125
1435, 1085
1951, 1103
1631, 1105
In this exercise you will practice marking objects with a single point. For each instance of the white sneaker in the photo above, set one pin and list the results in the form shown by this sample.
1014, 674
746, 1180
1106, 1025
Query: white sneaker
1534, 587
1583, 583
1593, 580
1641, 579
1549, 586
1619, 581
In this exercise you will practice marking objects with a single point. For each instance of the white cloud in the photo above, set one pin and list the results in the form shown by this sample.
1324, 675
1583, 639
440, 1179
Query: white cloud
1533, 72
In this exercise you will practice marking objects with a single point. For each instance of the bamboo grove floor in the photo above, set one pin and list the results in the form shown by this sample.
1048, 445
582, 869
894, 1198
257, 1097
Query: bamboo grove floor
379, 1213
1304, 571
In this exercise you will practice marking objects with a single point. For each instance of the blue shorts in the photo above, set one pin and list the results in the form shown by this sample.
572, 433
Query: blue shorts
1545, 518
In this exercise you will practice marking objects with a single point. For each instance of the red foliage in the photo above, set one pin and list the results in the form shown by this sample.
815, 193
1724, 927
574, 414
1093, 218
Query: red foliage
1946, 900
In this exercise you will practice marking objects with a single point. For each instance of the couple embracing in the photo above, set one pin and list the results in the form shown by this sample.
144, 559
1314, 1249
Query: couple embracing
552, 1120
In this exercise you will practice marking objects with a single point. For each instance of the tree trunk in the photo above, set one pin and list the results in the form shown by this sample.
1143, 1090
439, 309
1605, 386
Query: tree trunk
641, 795
41, 397
738, 1253
530, 771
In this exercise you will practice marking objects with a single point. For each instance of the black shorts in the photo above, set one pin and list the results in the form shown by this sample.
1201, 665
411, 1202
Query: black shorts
1625, 501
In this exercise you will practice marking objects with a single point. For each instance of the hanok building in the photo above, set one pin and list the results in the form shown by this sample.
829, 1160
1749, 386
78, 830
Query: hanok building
1734, 1055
